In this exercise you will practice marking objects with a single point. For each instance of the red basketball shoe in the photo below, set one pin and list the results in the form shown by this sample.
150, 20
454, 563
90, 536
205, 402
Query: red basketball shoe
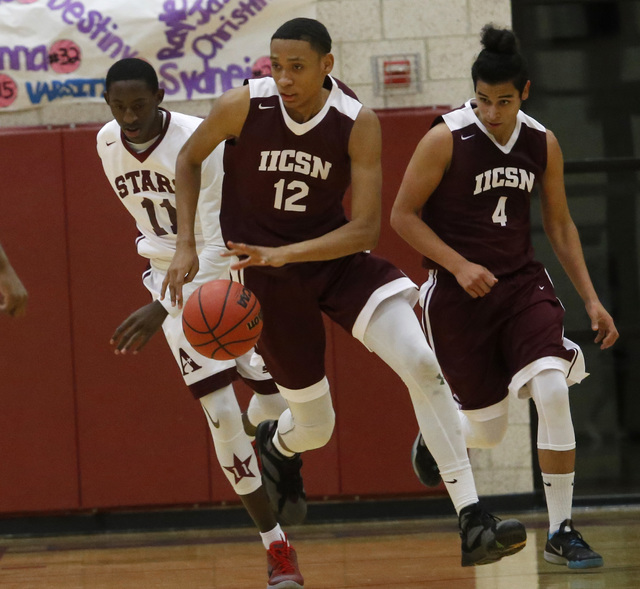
283, 567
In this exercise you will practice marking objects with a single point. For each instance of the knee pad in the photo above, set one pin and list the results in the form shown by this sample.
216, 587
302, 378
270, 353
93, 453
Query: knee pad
550, 393
264, 407
483, 434
308, 425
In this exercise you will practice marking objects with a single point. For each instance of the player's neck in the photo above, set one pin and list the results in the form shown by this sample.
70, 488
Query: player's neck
306, 111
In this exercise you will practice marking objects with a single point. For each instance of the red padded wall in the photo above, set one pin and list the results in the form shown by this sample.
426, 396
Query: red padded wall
83, 428
376, 423
37, 412
142, 438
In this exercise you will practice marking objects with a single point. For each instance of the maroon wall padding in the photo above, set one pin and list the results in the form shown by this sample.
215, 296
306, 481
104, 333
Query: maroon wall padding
38, 456
82, 428
142, 437
376, 422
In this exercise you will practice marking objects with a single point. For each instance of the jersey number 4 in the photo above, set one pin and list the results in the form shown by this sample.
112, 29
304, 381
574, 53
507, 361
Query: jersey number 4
500, 212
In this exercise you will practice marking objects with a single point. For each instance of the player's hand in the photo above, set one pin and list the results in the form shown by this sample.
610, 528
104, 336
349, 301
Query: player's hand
183, 269
254, 255
476, 280
603, 323
136, 330
13, 294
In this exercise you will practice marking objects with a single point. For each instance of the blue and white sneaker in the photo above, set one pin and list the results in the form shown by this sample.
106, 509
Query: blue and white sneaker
566, 546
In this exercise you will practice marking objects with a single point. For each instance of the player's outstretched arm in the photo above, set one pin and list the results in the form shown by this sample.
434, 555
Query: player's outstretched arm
223, 122
136, 330
565, 240
13, 294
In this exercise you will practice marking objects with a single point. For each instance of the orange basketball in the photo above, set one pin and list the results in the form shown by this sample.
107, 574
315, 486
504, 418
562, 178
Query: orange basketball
222, 319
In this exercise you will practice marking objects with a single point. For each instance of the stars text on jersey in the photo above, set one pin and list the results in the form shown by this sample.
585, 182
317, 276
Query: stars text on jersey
143, 181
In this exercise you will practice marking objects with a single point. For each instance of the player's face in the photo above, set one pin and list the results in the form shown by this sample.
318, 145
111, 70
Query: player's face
498, 106
135, 107
299, 72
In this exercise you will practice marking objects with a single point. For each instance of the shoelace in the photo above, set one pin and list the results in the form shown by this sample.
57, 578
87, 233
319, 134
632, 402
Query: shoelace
281, 556
575, 539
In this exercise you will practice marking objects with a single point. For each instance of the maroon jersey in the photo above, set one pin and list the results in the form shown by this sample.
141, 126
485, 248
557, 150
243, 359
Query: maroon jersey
284, 181
481, 207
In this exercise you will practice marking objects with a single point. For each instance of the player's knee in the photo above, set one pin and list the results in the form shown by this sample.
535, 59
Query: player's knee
223, 414
550, 393
485, 434
491, 437
264, 407
301, 435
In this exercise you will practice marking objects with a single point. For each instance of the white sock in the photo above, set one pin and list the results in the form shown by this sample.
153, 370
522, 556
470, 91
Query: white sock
275, 535
558, 490
461, 487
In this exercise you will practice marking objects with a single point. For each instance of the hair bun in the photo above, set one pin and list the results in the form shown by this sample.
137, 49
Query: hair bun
499, 40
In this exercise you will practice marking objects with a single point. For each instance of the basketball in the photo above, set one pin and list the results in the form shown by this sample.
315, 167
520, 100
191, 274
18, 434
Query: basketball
222, 319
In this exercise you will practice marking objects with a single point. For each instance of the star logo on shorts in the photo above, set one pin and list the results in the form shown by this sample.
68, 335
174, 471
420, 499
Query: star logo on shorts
240, 469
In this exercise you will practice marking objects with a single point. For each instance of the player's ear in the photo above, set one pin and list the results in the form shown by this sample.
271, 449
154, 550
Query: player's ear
105, 95
327, 63
160, 95
525, 91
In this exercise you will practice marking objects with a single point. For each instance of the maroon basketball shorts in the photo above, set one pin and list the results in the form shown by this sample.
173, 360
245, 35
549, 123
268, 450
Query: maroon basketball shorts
294, 298
483, 345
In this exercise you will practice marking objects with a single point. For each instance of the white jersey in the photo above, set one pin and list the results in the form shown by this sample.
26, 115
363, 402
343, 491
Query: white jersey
145, 183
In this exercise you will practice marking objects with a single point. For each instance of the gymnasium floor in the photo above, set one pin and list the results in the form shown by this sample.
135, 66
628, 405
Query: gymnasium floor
407, 554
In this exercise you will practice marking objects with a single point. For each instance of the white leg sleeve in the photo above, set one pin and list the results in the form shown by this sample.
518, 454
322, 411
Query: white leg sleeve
309, 422
550, 393
233, 447
485, 428
264, 407
395, 335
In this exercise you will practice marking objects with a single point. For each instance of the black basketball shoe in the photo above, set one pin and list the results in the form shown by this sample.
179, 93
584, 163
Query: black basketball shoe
424, 465
486, 538
566, 546
281, 477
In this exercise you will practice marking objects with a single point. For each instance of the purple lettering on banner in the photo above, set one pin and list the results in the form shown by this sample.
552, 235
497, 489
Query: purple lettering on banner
95, 25
35, 59
211, 81
205, 46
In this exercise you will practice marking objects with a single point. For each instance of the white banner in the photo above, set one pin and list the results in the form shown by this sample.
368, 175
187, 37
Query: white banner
60, 50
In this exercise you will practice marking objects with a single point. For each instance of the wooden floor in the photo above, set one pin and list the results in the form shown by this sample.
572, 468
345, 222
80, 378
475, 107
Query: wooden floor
411, 554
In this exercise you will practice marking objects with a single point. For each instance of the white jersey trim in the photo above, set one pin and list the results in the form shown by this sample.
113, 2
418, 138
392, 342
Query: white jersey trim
266, 87
465, 116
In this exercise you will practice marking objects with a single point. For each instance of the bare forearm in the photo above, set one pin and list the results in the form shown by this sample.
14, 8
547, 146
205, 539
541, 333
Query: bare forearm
424, 240
188, 179
565, 241
348, 239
